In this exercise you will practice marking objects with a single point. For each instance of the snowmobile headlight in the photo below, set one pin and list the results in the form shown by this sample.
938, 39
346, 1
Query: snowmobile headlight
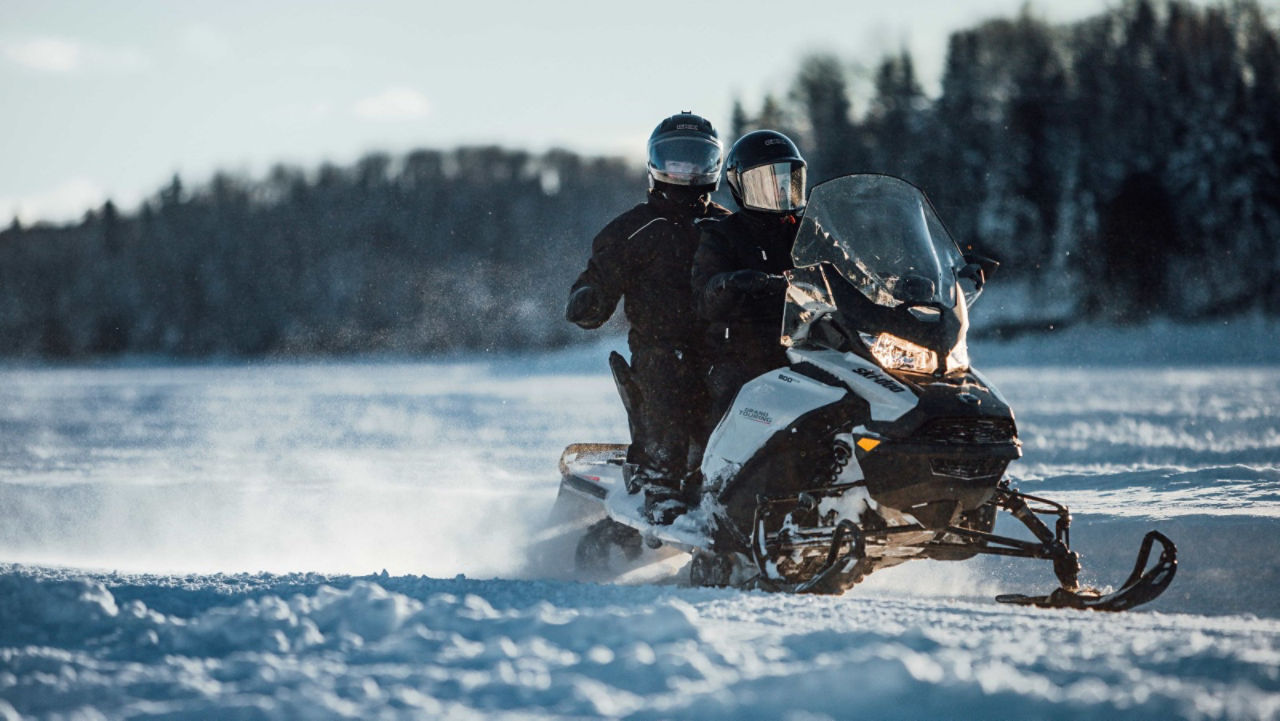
897, 354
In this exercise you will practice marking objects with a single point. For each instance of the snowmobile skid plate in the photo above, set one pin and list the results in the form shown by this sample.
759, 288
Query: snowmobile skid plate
1143, 584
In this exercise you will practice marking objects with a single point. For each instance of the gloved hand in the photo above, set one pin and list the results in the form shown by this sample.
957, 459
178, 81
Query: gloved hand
756, 282
586, 305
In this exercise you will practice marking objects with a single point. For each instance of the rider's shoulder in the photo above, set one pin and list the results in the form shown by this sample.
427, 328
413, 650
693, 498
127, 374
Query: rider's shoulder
632, 221
718, 225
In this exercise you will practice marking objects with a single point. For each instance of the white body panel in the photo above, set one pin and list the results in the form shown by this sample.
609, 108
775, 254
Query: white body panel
889, 399
773, 401
764, 406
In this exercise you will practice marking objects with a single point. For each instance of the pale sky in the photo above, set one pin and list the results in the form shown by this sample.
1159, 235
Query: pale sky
109, 99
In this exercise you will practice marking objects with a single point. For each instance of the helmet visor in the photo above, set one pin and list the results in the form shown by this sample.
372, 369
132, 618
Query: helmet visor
777, 187
685, 160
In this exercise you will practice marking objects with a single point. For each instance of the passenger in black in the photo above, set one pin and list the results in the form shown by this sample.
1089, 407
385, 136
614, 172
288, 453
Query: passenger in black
645, 256
737, 272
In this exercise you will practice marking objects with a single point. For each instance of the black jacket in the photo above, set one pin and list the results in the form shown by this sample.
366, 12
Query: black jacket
644, 256
750, 241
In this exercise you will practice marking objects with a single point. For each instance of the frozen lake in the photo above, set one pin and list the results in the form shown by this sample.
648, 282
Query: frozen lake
343, 540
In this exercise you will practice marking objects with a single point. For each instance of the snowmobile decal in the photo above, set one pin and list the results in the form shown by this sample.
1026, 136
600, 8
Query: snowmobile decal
888, 402
757, 415
746, 428
879, 380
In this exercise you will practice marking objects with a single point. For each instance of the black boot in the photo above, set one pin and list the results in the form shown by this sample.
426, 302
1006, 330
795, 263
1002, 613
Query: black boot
663, 504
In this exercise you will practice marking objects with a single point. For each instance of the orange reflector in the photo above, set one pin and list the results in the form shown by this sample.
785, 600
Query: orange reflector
868, 444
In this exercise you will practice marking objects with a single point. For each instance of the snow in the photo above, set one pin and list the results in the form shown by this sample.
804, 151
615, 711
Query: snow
403, 647
343, 540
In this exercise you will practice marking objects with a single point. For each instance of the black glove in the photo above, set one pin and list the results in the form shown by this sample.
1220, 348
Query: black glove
585, 307
756, 282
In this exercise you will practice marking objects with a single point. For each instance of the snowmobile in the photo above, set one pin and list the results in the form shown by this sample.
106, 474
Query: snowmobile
877, 444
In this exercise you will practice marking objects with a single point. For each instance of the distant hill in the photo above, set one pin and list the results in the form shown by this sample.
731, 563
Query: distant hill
470, 248
1122, 167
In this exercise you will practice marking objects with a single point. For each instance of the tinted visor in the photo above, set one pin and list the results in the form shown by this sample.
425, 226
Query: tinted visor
777, 187
685, 160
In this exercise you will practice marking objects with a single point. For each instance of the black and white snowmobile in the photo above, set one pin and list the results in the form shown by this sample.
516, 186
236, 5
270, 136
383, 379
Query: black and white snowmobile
878, 443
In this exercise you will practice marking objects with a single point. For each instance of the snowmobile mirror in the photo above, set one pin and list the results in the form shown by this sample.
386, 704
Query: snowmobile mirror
973, 273
978, 268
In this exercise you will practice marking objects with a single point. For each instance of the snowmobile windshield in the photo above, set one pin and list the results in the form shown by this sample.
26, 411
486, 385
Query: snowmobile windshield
882, 235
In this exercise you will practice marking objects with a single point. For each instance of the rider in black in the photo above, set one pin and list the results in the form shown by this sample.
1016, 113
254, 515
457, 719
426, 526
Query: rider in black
737, 271
644, 256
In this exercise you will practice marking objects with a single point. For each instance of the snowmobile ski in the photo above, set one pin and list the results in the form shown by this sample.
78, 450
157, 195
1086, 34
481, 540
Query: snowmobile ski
1143, 584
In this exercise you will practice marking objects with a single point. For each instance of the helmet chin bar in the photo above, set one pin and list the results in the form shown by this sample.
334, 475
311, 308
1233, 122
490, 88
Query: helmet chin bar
682, 194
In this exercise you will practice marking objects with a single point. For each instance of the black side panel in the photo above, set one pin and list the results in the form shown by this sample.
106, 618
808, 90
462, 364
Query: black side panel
798, 458
951, 399
914, 477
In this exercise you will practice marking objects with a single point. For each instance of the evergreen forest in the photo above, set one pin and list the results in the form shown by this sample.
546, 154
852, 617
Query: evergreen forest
1121, 167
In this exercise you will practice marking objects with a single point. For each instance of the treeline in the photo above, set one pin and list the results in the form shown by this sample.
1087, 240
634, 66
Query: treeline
472, 248
1128, 164
1121, 166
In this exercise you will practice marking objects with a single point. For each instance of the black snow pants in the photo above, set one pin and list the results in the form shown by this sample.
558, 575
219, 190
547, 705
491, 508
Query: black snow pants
670, 427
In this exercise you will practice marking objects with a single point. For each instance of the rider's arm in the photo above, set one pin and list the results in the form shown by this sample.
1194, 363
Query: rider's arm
720, 284
595, 294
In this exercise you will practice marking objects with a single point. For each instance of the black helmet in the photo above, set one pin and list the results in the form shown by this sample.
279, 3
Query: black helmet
766, 172
685, 150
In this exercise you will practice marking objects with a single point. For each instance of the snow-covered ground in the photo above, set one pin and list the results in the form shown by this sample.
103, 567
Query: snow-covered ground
343, 540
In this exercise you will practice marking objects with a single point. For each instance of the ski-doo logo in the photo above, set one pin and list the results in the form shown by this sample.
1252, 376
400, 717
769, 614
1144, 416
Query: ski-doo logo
786, 378
758, 416
879, 379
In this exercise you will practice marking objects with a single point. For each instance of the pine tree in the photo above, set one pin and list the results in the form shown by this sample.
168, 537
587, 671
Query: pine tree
822, 94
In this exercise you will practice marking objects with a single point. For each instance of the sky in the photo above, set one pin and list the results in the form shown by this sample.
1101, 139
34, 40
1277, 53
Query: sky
108, 100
